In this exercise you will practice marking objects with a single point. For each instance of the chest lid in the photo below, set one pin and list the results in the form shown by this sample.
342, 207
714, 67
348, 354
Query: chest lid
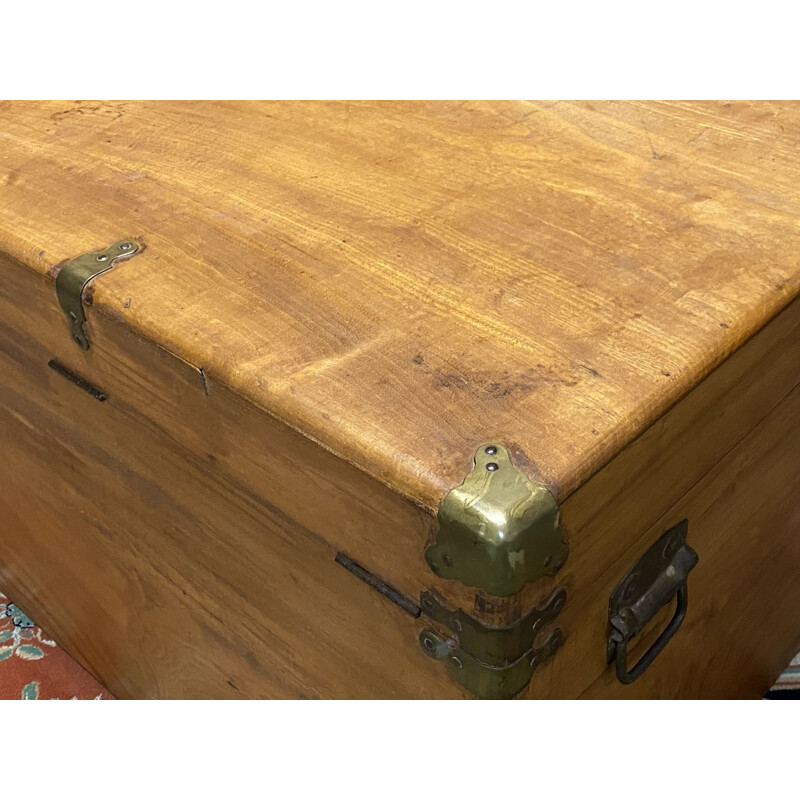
402, 282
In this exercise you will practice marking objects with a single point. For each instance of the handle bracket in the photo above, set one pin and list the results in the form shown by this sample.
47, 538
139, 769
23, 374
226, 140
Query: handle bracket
658, 576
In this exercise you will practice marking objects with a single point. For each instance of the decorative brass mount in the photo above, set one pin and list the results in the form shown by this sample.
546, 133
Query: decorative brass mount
76, 274
492, 663
499, 530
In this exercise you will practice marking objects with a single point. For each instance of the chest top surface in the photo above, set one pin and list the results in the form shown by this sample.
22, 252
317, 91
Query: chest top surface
403, 281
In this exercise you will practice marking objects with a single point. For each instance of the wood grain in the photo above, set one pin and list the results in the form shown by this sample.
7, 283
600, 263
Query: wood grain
400, 281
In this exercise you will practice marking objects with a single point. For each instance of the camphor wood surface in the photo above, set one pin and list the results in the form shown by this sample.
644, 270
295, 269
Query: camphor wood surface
397, 283
403, 281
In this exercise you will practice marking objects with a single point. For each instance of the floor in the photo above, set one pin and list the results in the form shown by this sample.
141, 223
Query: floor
34, 667
787, 687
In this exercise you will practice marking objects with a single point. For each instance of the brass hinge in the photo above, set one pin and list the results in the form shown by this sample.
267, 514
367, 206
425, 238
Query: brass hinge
499, 530
492, 663
76, 274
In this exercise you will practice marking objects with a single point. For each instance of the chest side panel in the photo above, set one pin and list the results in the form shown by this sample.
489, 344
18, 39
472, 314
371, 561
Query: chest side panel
741, 629
727, 458
179, 542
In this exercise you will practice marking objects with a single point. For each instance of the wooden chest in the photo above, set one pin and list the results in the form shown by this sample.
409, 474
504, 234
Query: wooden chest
404, 399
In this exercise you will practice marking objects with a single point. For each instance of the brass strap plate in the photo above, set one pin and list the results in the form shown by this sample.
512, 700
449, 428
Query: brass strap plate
484, 681
495, 646
76, 274
499, 530
492, 663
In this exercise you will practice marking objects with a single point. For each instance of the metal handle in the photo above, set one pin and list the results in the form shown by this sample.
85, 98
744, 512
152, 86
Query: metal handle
658, 576
624, 675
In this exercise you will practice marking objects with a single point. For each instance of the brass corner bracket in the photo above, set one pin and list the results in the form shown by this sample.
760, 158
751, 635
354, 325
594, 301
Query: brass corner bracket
76, 274
499, 530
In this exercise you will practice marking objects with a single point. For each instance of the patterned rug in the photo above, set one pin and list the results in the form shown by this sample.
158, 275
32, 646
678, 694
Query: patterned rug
34, 667
787, 687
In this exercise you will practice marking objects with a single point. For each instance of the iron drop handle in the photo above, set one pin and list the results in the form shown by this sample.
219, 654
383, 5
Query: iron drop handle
658, 576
